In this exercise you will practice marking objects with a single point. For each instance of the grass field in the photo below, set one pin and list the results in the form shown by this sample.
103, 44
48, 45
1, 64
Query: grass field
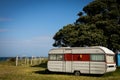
10, 72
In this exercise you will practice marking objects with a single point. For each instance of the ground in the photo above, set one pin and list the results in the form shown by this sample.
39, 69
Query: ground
12, 72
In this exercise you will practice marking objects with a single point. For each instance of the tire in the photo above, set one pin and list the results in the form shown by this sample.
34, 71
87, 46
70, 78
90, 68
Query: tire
77, 73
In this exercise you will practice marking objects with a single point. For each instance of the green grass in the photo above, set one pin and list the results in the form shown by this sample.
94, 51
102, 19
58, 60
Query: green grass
10, 72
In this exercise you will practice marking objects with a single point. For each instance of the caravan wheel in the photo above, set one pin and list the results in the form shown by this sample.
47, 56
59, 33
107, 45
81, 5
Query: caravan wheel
77, 73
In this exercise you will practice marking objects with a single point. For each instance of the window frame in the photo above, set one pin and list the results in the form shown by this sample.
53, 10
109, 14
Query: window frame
50, 57
112, 56
56, 57
98, 60
62, 59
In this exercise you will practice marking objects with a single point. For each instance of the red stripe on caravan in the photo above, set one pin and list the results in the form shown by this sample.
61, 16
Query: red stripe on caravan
76, 57
81, 57
68, 57
85, 57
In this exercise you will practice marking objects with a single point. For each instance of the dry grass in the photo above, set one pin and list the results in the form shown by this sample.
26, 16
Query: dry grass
10, 72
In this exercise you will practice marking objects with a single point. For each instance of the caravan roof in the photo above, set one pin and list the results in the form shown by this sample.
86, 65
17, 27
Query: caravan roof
85, 50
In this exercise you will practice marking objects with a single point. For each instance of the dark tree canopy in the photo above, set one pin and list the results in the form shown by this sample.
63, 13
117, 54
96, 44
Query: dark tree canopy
98, 25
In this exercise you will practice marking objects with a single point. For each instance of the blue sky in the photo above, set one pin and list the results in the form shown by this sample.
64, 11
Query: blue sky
27, 27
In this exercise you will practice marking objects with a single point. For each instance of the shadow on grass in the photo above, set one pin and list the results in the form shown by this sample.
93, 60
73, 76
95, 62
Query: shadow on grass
40, 72
42, 65
51, 73
63, 73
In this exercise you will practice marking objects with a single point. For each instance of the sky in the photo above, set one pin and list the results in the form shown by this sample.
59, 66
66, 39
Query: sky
27, 27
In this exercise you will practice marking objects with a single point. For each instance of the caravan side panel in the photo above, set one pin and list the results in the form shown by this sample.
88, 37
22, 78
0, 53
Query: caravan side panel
81, 63
56, 66
97, 67
82, 66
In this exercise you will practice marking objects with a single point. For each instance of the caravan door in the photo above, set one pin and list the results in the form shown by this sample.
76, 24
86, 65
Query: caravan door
68, 60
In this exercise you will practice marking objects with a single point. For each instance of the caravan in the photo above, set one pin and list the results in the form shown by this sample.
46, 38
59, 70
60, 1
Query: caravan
81, 60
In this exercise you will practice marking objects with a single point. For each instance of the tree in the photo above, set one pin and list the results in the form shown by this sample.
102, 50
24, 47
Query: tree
66, 36
100, 25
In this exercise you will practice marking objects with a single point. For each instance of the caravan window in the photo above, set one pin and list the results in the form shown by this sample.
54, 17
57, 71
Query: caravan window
59, 57
56, 57
52, 57
110, 58
97, 57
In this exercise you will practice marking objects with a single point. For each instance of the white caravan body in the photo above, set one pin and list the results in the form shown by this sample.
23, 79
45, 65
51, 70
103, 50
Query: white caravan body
87, 60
